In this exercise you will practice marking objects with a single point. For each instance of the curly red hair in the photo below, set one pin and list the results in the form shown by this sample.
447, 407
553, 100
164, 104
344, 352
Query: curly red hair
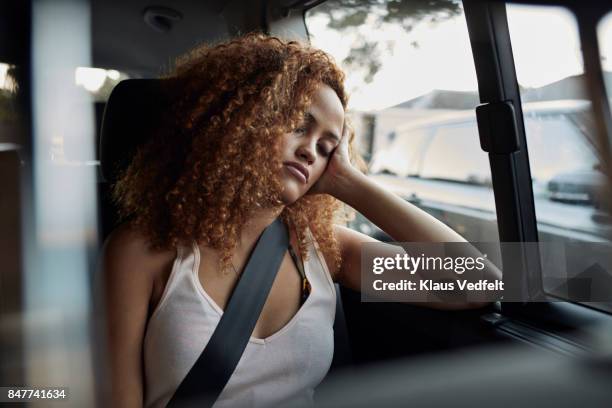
216, 155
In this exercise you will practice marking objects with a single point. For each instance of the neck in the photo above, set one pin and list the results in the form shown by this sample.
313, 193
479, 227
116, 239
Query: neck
254, 227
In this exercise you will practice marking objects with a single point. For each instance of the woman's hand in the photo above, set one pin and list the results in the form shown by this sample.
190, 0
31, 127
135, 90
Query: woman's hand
339, 167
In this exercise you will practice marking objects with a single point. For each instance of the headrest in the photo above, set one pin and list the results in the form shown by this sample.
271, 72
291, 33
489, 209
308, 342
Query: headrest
132, 112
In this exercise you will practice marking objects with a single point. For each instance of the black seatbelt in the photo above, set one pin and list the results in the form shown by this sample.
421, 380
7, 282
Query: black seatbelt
213, 369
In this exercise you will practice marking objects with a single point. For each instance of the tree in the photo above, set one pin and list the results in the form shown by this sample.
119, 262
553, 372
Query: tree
365, 54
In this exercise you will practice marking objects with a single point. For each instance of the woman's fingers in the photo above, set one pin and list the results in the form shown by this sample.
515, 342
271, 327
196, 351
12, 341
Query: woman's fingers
338, 161
343, 146
346, 132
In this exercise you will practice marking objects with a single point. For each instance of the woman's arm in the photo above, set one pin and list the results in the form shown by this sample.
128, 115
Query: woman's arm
128, 268
401, 220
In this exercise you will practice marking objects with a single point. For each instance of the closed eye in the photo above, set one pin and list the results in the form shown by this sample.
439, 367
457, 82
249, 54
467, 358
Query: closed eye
325, 150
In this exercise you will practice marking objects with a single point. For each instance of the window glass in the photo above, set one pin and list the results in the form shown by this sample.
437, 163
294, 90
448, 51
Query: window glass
403, 156
98, 82
574, 153
455, 155
565, 162
96, 85
410, 67
9, 121
604, 36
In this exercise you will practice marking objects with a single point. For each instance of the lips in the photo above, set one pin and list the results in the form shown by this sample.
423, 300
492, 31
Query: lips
298, 170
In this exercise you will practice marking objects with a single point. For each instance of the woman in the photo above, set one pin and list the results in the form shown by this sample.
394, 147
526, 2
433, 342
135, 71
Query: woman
258, 130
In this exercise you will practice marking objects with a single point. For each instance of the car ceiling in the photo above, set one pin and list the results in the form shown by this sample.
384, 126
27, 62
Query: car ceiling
123, 40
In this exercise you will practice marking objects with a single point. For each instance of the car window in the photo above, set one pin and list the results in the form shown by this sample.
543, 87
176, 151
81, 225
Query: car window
564, 157
455, 155
410, 67
9, 133
604, 36
573, 152
98, 82
404, 155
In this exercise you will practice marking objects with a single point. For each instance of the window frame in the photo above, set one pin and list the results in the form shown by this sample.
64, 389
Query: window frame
489, 34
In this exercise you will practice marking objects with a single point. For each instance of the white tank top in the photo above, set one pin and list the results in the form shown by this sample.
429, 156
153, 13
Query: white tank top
280, 370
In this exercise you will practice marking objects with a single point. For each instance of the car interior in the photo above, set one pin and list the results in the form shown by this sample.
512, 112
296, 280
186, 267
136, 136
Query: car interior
62, 145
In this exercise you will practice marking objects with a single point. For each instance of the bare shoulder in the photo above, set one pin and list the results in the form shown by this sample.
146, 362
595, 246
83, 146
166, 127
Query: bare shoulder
128, 252
129, 268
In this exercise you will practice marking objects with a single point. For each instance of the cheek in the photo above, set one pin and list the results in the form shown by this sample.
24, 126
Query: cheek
318, 172
287, 141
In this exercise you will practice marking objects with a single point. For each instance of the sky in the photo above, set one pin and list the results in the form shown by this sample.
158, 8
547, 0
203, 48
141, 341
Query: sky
443, 58
545, 45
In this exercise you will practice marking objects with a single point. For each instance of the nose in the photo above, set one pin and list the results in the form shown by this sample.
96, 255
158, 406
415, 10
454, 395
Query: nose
306, 152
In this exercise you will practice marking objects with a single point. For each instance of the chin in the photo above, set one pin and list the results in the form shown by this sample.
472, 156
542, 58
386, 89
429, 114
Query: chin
290, 194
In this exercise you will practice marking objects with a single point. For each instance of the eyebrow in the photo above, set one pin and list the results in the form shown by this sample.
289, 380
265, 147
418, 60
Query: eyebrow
309, 118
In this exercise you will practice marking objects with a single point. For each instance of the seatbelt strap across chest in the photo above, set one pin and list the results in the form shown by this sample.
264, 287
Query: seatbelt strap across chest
213, 369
